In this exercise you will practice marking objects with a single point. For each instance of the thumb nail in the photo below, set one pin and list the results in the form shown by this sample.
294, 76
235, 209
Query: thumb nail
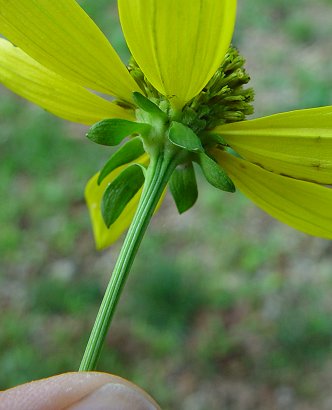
115, 396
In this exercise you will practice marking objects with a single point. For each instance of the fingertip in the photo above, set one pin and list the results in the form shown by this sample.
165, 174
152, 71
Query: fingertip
64, 391
116, 396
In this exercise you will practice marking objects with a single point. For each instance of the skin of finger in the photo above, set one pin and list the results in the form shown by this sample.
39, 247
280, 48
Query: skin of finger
59, 392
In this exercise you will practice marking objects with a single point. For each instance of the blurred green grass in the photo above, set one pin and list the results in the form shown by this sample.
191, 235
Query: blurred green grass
225, 307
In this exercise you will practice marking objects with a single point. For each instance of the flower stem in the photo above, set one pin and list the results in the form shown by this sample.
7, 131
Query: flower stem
157, 177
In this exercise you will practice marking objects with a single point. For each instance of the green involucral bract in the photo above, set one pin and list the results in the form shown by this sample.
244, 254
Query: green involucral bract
120, 192
215, 174
184, 137
112, 131
149, 106
186, 133
125, 154
183, 187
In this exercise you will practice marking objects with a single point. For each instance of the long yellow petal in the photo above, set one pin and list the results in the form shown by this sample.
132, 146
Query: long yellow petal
26, 77
295, 143
178, 44
303, 205
61, 36
93, 194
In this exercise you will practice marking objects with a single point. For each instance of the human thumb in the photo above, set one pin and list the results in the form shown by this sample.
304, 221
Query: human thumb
78, 391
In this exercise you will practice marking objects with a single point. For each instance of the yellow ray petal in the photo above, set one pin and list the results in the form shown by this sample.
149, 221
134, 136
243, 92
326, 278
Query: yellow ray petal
303, 205
61, 36
93, 194
178, 44
104, 236
295, 143
26, 77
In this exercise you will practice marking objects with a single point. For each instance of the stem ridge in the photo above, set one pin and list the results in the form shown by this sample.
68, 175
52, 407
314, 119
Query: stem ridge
157, 176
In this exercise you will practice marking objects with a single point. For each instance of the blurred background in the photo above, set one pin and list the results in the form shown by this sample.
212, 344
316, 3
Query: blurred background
225, 307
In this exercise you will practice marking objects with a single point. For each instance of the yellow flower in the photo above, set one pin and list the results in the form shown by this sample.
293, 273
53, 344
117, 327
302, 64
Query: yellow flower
60, 55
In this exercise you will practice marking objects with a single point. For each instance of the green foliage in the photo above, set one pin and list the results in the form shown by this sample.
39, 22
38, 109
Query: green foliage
165, 299
303, 331
54, 296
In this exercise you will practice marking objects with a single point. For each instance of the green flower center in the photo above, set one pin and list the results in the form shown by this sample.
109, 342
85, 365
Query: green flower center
178, 137
224, 99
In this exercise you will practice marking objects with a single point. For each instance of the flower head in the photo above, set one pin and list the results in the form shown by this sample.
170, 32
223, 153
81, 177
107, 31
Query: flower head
183, 89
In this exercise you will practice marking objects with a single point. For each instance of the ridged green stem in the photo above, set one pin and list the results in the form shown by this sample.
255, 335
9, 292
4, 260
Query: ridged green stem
157, 177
